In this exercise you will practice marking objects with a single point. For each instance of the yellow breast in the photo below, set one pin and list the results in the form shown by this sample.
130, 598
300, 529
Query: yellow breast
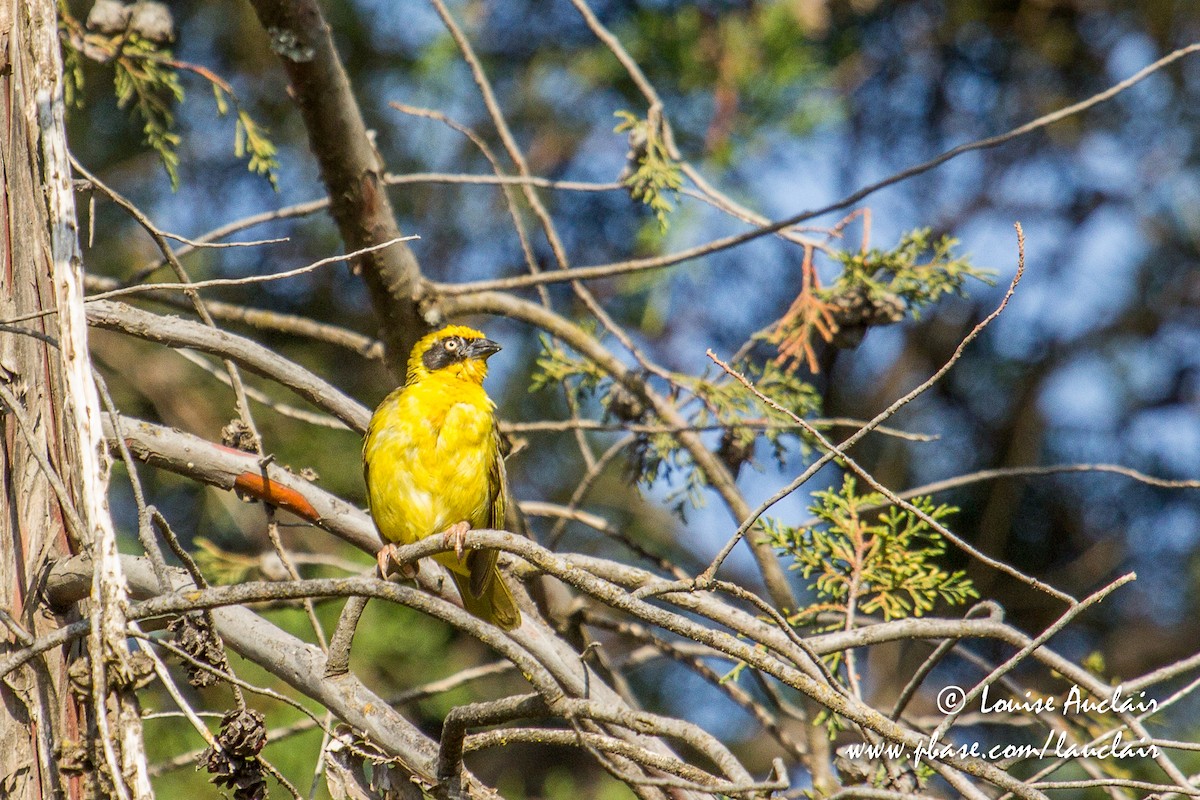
429, 453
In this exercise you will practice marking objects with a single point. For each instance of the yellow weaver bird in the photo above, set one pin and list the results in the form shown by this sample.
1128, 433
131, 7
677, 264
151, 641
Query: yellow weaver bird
432, 464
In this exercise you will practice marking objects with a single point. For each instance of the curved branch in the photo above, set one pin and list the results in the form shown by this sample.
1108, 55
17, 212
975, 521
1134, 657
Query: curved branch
299, 664
226, 468
608, 744
302, 665
177, 332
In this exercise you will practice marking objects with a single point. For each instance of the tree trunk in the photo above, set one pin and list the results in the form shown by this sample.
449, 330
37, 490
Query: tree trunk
52, 471
38, 710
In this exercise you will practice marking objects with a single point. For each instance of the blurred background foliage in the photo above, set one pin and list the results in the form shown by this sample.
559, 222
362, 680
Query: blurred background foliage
785, 105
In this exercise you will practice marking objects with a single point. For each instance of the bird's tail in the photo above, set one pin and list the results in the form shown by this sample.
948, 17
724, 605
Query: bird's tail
493, 604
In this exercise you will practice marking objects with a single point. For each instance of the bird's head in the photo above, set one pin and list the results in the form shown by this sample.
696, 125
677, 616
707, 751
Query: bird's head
454, 350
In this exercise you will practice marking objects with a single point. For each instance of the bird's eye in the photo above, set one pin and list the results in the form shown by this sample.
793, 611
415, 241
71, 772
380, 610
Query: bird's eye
451, 345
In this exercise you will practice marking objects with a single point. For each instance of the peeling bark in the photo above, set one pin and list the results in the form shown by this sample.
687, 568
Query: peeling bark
53, 466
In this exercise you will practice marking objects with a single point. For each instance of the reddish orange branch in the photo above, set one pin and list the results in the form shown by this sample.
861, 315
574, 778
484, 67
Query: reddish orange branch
276, 494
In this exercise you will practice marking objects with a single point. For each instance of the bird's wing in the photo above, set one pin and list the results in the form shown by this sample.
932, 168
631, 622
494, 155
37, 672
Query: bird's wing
483, 562
497, 483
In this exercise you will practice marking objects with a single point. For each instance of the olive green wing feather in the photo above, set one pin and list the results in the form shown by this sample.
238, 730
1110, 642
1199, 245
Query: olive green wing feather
496, 606
498, 483
483, 562
504, 608
487, 596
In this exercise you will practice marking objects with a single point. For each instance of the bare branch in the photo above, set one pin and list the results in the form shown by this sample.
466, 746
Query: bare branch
192, 286
728, 242
350, 166
337, 661
1075, 610
460, 718
231, 469
176, 332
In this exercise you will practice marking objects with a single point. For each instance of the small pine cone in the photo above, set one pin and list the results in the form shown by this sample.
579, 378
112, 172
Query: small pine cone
246, 777
243, 733
857, 309
737, 448
195, 636
624, 404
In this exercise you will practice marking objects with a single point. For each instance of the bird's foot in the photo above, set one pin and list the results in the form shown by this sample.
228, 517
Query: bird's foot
387, 562
456, 535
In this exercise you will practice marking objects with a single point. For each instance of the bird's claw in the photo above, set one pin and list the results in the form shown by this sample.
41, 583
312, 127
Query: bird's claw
456, 535
385, 558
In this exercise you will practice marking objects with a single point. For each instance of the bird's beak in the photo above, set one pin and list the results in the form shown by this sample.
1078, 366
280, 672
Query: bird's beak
481, 348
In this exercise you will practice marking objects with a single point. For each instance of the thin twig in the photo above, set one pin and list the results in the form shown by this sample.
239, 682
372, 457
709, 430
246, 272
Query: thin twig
717, 245
561, 426
1075, 610
145, 533
935, 658
262, 398
839, 450
286, 559
594, 471
75, 525
232, 349
697, 664
337, 660
833, 451
249, 279
261, 319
